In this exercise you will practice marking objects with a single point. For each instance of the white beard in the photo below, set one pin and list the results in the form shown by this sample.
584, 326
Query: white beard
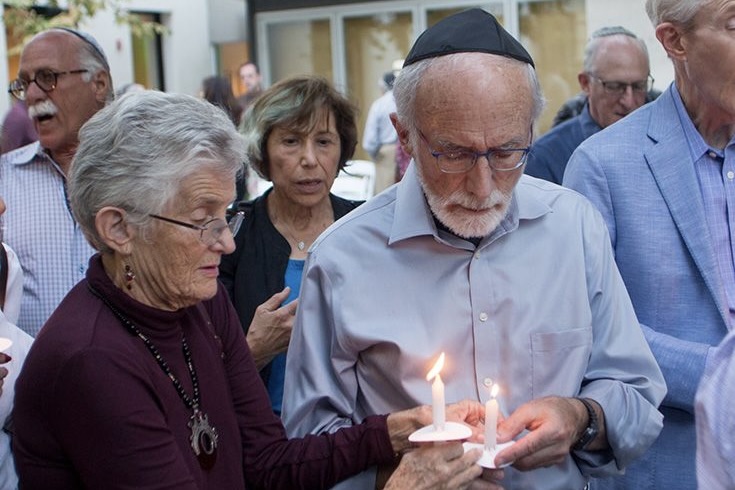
462, 222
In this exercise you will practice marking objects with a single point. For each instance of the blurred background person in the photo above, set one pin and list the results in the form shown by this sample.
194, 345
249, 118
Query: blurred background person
142, 377
217, 90
299, 134
128, 88
17, 129
379, 138
615, 78
252, 82
574, 105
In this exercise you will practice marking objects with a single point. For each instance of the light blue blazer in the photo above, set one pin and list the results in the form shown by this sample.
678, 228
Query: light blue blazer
640, 175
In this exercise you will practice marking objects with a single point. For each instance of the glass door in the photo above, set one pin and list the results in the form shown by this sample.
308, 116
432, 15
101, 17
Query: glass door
374, 44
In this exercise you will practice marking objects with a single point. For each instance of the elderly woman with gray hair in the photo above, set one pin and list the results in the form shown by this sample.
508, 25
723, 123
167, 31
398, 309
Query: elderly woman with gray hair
142, 377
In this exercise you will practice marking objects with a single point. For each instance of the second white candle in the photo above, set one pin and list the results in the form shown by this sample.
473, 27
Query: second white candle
491, 419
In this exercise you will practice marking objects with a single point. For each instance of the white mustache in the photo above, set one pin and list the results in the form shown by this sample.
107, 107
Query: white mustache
43, 108
470, 202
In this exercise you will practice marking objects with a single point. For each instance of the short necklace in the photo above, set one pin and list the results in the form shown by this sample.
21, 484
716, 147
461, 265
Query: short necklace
300, 244
203, 436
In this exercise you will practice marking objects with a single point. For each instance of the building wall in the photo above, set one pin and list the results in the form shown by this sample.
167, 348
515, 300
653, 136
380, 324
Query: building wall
197, 25
187, 50
554, 32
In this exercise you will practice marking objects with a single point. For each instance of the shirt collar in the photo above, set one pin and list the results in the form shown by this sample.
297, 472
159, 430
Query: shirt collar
697, 146
25, 154
413, 216
589, 125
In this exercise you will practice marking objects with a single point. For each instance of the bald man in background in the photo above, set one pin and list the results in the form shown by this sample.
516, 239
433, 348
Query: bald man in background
616, 80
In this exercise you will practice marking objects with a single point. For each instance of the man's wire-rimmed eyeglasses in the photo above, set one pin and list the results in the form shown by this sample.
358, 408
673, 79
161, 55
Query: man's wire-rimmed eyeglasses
46, 79
619, 88
211, 231
461, 161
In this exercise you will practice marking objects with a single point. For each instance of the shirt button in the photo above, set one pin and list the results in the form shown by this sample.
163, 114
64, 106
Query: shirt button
487, 382
712, 154
730, 175
483, 317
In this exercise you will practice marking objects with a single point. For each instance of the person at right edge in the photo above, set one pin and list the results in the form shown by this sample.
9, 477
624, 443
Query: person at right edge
663, 180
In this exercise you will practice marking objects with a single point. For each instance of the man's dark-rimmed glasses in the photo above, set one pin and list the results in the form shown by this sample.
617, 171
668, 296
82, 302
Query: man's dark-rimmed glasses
46, 79
619, 88
461, 161
211, 231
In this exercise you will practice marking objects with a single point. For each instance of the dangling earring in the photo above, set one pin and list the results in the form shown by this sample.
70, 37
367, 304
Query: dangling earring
129, 277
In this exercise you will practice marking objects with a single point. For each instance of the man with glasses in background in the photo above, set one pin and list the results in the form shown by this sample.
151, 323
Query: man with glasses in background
64, 79
664, 180
616, 81
512, 277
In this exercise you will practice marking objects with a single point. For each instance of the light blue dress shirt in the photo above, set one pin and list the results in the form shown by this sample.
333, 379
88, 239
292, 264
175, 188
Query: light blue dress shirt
716, 176
538, 307
715, 418
40, 227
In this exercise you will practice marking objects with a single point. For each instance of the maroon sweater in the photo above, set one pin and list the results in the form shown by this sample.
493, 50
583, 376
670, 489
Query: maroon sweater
94, 410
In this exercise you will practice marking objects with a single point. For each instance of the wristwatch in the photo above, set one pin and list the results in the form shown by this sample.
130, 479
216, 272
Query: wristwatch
592, 429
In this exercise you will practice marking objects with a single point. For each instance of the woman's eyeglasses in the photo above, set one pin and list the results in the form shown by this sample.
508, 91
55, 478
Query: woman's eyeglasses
211, 231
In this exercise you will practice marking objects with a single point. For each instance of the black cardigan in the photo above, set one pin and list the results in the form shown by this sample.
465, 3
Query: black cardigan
255, 270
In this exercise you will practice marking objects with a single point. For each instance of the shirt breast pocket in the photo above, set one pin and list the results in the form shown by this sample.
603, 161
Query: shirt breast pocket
559, 361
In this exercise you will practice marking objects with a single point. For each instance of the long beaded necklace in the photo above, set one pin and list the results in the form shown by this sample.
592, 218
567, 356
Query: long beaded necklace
203, 436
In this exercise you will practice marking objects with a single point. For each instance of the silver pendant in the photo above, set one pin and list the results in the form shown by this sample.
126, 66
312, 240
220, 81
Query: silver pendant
301, 246
203, 439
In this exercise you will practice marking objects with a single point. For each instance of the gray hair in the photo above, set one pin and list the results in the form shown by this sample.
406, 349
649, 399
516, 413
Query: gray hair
593, 44
408, 81
133, 154
680, 12
299, 104
91, 58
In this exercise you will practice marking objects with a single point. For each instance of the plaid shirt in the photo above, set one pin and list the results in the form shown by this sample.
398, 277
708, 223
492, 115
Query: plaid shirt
40, 227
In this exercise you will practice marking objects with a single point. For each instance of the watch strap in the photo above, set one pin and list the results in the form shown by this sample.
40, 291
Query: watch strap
592, 429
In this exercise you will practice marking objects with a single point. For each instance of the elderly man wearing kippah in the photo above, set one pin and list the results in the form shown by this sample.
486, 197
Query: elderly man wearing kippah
64, 79
513, 278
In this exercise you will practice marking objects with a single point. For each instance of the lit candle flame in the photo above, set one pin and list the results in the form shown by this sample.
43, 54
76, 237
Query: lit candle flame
437, 367
494, 390
491, 418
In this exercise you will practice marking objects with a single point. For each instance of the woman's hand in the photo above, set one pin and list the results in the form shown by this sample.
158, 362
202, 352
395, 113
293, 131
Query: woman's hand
270, 330
3, 371
402, 424
442, 466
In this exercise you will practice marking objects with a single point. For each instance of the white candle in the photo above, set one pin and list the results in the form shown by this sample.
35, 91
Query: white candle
491, 419
437, 394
